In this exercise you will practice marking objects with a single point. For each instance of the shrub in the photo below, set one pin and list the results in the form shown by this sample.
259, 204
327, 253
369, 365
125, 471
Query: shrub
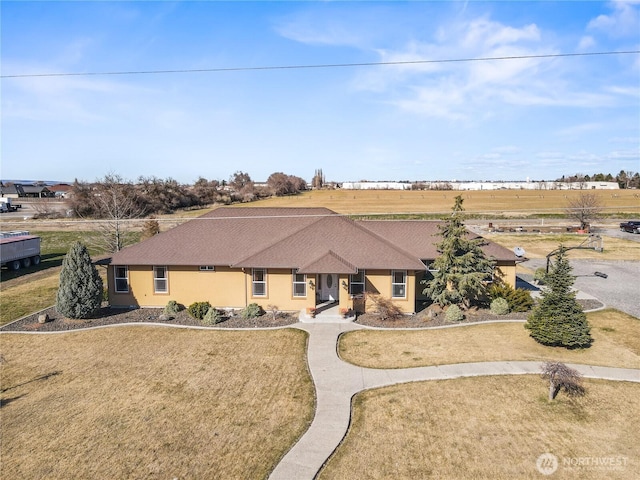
212, 317
80, 292
499, 306
199, 309
518, 299
172, 308
540, 275
385, 307
454, 314
253, 310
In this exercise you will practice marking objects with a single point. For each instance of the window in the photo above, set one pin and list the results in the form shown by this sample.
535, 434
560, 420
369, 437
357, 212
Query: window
356, 283
207, 268
259, 282
160, 280
399, 284
122, 279
299, 284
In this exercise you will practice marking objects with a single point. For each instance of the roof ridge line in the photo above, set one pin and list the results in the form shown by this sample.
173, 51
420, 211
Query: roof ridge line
317, 218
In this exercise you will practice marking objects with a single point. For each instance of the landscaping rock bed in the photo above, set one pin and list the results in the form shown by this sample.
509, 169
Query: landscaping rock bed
111, 316
437, 318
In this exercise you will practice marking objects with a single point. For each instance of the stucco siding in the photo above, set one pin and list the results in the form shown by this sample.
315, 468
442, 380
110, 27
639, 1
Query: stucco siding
380, 282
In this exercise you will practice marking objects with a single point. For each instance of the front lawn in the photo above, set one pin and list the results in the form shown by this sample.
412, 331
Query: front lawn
152, 402
490, 428
616, 344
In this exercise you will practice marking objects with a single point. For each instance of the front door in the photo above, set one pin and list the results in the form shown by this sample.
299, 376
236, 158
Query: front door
329, 287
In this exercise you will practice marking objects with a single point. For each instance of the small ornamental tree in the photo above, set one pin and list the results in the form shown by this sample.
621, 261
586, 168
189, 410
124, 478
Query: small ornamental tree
564, 378
80, 291
462, 268
558, 319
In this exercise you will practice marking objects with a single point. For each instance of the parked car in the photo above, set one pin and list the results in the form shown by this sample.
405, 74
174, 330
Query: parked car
632, 227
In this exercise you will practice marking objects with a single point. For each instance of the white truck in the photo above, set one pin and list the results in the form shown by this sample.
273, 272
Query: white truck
19, 250
7, 206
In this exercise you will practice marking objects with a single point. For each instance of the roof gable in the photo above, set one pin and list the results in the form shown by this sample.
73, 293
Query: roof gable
330, 262
342, 236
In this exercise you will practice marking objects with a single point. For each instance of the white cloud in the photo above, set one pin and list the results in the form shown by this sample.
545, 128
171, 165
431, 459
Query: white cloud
475, 89
623, 21
489, 34
587, 42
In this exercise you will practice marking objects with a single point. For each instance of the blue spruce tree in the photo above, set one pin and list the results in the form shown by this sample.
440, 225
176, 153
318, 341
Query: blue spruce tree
80, 291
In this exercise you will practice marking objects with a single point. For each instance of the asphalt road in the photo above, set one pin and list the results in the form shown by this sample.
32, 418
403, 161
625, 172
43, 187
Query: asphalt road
621, 288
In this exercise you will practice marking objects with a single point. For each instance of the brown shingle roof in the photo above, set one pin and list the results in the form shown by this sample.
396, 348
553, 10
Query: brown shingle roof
419, 237
314, 240
358, 246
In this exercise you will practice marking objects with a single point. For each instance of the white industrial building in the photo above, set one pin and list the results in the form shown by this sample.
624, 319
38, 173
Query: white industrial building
455, 185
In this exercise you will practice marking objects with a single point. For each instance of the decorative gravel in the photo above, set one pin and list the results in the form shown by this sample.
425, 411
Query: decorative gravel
437, 318
112, 316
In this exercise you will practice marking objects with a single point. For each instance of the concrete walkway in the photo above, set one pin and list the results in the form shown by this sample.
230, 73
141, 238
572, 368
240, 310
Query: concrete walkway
336, 382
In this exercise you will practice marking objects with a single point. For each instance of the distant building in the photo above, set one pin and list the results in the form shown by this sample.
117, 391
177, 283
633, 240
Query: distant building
376, 185
60, 189
18, 190
497, 185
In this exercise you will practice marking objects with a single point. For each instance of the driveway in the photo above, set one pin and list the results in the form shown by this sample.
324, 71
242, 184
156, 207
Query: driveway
620, 290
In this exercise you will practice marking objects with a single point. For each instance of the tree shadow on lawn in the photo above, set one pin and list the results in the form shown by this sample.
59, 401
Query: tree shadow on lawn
46, 376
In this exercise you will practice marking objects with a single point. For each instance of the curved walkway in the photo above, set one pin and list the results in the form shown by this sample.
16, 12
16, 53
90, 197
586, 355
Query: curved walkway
336, 382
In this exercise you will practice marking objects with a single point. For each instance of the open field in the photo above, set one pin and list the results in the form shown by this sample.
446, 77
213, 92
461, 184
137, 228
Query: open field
616, 344
540, 245
488, 428
152, 402
491, 204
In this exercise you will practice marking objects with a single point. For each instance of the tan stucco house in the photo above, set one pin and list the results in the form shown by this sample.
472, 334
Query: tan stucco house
292, 258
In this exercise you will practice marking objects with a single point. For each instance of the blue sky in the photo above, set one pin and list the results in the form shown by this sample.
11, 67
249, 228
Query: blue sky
498, 120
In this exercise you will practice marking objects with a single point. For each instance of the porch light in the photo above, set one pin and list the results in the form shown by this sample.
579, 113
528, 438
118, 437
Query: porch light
344, 285
311, 284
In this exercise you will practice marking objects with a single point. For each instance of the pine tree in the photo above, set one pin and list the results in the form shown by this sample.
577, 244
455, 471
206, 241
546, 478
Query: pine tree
558, 320
461, 268
80, 291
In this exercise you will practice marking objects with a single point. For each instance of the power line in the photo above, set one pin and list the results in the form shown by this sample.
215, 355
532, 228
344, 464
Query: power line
325, 65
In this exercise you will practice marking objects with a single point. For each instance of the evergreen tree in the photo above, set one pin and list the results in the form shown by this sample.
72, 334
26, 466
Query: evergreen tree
80, 291
462, 266
558, 320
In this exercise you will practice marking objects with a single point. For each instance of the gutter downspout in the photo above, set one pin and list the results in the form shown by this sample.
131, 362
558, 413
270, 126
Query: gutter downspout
246, 298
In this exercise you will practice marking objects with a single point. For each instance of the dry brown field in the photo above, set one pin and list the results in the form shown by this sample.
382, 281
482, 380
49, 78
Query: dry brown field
492, 428
152, 402
616, 344
510, 203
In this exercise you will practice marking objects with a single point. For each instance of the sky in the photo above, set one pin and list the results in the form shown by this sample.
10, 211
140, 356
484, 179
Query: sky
518, 119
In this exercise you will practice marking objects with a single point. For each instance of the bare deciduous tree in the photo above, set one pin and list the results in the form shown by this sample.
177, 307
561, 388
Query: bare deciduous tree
585, 208
564, 378
116, 203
